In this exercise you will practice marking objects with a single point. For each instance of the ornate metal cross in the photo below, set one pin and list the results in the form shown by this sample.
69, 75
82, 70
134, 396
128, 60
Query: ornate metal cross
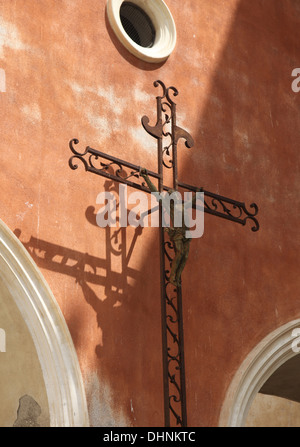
171, 296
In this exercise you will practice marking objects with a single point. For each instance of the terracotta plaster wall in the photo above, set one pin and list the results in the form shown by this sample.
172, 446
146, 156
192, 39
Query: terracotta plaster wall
67, 76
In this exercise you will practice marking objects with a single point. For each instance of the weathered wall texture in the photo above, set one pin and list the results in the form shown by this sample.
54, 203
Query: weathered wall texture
23, 393
67, 76
273, 411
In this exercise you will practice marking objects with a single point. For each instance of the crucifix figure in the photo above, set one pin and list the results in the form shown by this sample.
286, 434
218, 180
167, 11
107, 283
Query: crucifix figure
174, 245
177, 233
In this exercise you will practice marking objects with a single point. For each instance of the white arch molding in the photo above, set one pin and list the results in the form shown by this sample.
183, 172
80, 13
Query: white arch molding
272, 352
53, 342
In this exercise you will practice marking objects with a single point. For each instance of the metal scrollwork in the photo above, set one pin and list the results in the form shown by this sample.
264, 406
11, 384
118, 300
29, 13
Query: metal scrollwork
166, 125
108, 166
175, 372
231, 209
78, 155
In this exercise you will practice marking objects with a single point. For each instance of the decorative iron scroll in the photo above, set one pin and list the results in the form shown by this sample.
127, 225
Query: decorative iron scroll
226, 208
230, 209
108, 166
174, 338
166, 127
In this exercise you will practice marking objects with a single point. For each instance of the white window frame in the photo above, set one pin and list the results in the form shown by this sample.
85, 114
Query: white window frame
164, 25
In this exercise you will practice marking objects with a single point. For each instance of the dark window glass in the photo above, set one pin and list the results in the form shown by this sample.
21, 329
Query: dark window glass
137, 24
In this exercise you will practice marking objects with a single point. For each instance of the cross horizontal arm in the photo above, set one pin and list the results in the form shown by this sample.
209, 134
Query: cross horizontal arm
110, 167
122, 171
226, 208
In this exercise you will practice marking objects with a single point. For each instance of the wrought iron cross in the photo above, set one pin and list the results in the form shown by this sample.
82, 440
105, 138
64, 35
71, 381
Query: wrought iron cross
171, 296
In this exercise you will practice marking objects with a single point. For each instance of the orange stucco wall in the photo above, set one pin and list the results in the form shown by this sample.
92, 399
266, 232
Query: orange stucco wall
67, 76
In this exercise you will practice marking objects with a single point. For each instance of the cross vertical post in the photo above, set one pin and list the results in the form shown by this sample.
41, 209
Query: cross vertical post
171, 296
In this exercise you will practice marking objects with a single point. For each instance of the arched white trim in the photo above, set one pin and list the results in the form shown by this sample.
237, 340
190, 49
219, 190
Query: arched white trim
259, 365
55, 349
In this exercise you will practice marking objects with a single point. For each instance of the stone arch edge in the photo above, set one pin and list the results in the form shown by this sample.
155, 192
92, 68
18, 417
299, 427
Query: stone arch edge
267, 356
48, 328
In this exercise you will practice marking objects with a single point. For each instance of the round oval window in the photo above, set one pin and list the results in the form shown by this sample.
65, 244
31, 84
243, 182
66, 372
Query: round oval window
146, 29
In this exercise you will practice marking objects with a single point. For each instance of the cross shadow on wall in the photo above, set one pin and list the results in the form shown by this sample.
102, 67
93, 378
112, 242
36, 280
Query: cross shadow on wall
88, 270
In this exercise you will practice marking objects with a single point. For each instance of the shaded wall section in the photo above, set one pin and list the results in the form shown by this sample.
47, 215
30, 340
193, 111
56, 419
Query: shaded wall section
248, 134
